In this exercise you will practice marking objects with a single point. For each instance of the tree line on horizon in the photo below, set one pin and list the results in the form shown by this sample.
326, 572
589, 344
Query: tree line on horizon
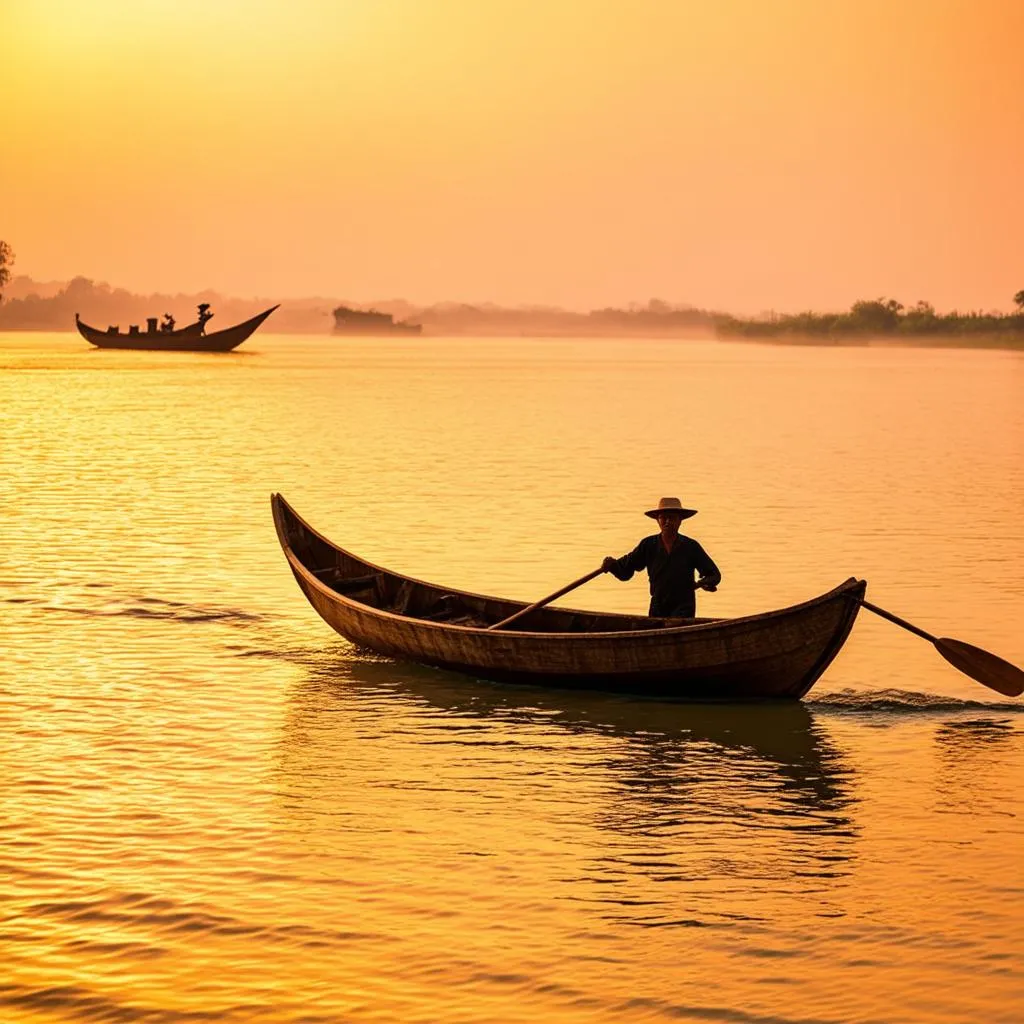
6, 262
53, 307
880, 317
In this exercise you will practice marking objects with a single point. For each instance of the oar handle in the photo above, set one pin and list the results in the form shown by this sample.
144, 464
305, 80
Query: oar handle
547, 600
899, 622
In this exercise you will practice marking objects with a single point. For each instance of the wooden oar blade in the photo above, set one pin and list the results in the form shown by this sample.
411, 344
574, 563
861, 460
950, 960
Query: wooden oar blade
986, 668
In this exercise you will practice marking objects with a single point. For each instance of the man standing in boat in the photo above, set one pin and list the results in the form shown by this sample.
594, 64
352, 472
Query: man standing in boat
204, 314
672, 561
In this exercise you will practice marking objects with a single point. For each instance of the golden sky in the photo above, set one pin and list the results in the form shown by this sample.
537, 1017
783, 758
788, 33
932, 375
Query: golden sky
737, 154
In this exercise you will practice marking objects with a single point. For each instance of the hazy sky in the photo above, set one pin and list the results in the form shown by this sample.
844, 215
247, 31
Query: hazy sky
738, 154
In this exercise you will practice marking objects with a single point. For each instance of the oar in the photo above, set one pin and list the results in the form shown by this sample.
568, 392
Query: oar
547, 600
986, 668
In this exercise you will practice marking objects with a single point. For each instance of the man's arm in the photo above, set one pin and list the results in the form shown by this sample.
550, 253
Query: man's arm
710, 576
624, 567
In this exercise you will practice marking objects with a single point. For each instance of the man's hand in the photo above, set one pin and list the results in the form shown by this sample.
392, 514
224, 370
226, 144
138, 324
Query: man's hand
707, 585
608, 564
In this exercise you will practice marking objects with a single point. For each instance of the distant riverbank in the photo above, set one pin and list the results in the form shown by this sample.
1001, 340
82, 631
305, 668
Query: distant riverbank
51, 306
882, 321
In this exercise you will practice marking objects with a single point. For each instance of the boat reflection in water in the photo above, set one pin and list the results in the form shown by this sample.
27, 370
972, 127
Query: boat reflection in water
605, 795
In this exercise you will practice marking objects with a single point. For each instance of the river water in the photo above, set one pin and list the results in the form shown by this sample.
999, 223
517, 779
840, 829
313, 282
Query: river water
212, 808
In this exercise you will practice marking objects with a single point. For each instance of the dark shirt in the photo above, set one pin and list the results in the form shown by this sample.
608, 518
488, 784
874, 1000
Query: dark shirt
671, 574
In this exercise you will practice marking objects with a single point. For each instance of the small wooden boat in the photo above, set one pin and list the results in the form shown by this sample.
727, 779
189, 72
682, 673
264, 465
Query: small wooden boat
774, 655
188, 339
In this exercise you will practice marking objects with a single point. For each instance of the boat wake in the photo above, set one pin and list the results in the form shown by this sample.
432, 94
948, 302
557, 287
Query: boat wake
902, 702
139, 607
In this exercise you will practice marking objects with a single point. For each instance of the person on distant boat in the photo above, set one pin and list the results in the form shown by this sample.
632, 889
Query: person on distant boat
204, 313
672, 561
168, 325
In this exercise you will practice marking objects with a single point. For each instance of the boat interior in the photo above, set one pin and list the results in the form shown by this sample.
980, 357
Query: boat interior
367, 584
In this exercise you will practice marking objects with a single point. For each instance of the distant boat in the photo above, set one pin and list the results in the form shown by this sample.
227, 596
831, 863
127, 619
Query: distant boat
165, 338
370, 322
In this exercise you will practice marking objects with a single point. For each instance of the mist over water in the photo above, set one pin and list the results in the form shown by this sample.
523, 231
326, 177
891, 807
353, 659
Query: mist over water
215, 808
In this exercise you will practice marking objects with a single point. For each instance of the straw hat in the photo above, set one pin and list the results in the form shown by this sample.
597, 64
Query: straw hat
671, 505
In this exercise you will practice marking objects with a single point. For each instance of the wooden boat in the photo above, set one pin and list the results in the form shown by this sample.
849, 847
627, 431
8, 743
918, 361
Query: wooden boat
188, 339
775, 655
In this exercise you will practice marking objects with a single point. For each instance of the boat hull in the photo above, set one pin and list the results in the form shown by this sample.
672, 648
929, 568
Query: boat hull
777, 655
188, 339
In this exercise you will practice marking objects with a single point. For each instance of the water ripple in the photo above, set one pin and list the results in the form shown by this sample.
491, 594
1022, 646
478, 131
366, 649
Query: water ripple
902, 702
